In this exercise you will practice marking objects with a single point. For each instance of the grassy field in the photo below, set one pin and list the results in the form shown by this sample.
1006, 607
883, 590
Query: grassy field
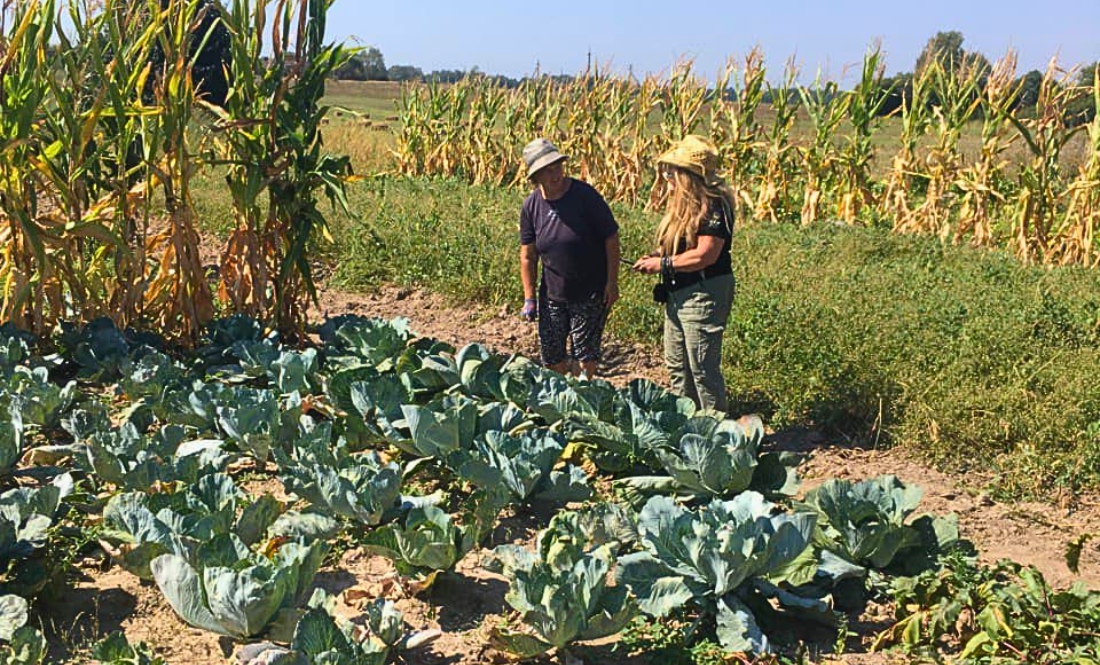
369, 103
967, 357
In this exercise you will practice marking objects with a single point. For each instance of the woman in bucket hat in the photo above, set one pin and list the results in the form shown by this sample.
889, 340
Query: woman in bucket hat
693, 259
567, 226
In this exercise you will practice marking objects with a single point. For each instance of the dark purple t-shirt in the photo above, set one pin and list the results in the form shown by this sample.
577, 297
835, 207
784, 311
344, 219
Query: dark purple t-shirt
570, 237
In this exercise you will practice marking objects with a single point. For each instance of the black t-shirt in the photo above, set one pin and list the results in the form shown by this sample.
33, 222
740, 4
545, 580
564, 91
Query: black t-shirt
717, 223
570, 235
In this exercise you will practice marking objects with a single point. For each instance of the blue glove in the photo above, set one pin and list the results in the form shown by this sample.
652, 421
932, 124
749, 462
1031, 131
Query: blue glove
530, 309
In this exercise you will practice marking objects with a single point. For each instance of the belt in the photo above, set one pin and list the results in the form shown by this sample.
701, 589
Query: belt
685, 279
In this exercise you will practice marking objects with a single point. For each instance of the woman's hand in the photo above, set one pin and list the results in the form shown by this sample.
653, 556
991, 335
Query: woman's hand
530, 310
610, 294
650, 265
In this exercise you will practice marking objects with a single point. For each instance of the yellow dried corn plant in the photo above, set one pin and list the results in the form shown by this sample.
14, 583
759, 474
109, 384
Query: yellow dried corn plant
982, 182
790, 151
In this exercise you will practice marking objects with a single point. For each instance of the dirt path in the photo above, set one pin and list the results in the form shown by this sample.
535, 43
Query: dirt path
467, 604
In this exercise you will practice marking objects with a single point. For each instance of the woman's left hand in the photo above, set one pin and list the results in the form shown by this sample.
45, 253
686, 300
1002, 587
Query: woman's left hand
610, 295
650, 265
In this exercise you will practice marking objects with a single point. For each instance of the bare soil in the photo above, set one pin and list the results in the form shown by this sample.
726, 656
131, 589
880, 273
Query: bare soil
466, 604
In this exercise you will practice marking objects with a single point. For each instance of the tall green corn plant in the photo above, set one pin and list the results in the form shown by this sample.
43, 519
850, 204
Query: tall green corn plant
485, 150
683, 100
583, 117
644, 98
91, 170
297, 218
826, 107
411, 144
30, 296
619, 140
865, 101
244, 139
65, 177
511, 136
521, 124
77, 158
269, 139
121, 54
450, 154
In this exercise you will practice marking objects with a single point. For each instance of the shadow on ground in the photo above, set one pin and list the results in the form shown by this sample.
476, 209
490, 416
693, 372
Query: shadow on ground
86, 616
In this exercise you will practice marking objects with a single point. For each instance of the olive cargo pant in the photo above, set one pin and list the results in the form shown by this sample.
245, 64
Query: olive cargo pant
695, 320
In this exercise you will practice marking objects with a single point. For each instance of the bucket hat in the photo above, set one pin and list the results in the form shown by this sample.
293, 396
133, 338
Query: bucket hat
540, 153
695, 154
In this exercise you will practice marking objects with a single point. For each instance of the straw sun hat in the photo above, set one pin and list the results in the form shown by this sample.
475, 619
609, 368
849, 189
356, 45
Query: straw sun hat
694, 154
539, 154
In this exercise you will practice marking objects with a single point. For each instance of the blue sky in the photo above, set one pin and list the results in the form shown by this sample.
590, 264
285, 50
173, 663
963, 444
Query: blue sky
649, 35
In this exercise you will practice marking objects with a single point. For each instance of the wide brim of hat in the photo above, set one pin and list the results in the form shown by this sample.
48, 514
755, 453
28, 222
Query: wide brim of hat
544, 161
674, 158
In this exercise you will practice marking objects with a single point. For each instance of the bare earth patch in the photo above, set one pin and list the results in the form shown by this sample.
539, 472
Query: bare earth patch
466, 604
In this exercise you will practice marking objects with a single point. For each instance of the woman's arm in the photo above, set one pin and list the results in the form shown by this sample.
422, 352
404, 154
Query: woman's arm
528, 269
611, 246
703, 255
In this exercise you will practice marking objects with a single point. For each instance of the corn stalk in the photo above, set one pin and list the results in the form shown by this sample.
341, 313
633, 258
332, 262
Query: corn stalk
773, 195
685, 97
177, 298
35, 276
683, 100
96, 180
983, 183
916, 118
735, 127
269, 138
585, 118
1075, 241
627, 142
1040, 179
826, 107
956, 93
482, 136
864, 107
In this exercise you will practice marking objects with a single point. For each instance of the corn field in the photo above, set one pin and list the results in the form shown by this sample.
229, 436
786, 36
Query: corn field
103, 128
811, 152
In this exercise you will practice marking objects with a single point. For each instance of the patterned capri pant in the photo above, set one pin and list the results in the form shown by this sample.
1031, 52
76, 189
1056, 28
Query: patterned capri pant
581, 323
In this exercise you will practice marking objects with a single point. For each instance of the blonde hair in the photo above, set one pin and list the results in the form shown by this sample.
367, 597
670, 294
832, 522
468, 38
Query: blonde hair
688, 205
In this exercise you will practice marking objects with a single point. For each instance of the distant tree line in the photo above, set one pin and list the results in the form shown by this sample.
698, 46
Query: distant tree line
370, 65
947, 49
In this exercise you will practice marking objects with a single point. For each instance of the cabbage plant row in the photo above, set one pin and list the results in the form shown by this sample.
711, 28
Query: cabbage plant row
413, 449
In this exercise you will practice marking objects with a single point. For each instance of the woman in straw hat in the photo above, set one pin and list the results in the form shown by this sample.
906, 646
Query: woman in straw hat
567, 226
693, 259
